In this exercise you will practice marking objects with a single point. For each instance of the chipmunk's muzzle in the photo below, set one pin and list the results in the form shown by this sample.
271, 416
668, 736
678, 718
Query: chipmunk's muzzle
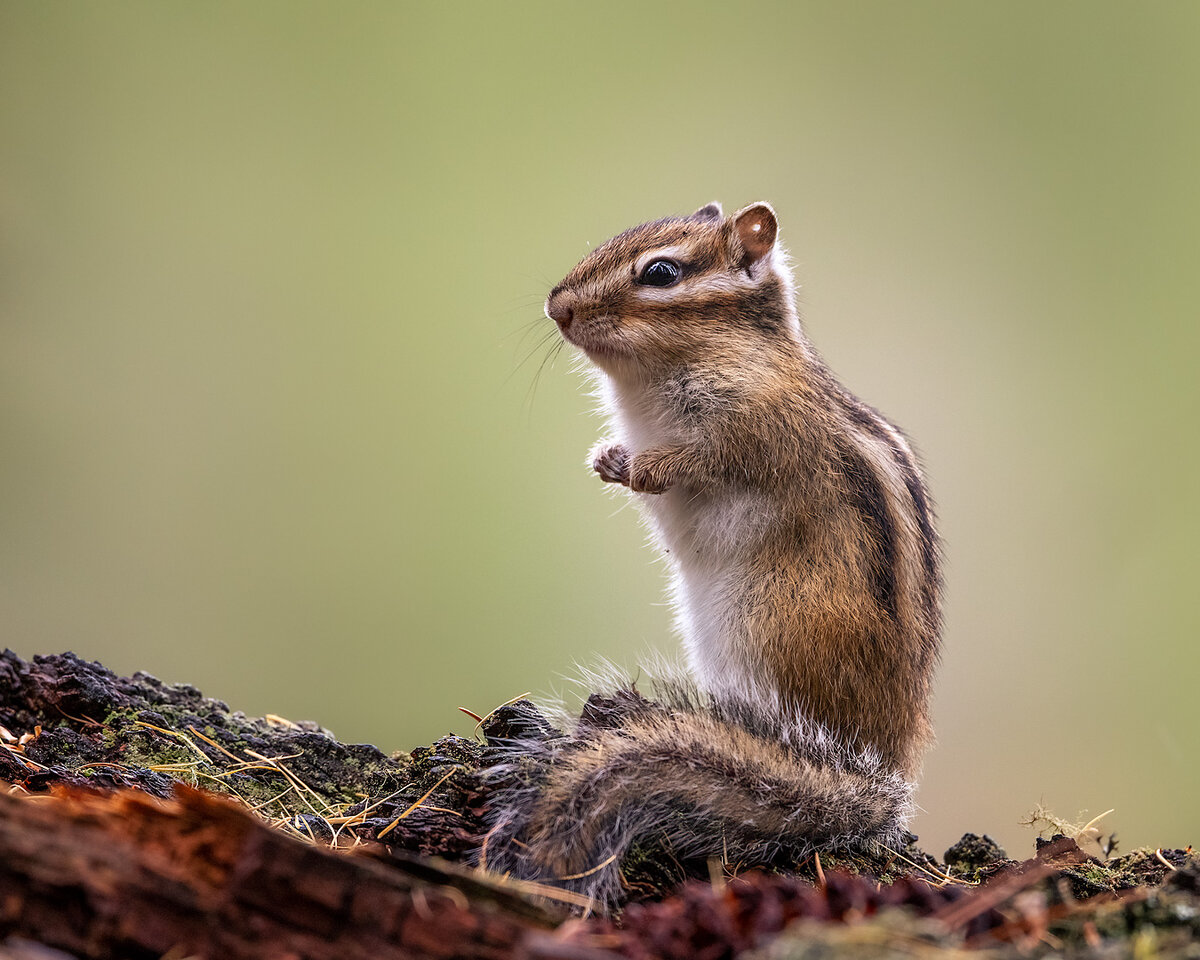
560, 307
581, 325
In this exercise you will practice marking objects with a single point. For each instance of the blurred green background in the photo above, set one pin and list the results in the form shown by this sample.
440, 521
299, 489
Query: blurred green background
270, 274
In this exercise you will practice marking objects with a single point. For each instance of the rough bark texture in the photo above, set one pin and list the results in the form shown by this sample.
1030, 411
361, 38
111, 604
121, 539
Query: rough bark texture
108, 851
124, 875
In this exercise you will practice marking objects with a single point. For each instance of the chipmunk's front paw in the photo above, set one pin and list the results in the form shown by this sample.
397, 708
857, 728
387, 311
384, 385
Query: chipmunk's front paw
611, 461
646, 475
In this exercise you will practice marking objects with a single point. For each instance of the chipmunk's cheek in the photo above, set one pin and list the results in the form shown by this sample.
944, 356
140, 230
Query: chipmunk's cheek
603, 338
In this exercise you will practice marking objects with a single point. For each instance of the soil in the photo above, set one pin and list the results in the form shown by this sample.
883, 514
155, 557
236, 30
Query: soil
69, 724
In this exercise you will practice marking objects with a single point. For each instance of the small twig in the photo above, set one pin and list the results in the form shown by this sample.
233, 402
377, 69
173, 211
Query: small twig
362, 814
19, 755
86, 721
543, 890
716, 875
1163, 860
588, 873
483, 848
213, 743
178, 736
944, 877
428, 793
181, 767
483, 720
275, 762
229, 788
266, 803
1092, 823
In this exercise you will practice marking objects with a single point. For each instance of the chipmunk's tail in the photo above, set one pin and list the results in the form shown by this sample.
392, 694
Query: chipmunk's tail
708, 780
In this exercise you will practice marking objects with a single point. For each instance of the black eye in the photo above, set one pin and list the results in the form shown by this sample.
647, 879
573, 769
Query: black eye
660, 273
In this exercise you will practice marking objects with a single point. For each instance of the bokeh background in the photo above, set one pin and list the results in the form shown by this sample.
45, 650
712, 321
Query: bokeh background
270, 330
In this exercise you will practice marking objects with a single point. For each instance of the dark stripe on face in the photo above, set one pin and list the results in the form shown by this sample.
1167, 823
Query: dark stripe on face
702, 241
700, 259
869, 496
761, 309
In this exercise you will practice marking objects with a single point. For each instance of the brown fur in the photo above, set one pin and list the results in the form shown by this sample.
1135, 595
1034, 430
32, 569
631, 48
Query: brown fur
805, 565
707, 778
838, 610
695, 759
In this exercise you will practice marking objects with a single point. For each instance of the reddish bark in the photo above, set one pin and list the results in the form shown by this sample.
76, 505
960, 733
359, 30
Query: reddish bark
123, 875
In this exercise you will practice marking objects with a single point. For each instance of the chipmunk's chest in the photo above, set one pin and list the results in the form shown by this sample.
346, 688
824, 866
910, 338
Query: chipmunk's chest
674, 411
645, 417
699, 526
707, 533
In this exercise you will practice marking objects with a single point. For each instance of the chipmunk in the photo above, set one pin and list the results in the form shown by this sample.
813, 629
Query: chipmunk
804, 571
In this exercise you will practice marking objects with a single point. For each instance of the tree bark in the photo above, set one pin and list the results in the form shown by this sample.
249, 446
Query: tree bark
123, 875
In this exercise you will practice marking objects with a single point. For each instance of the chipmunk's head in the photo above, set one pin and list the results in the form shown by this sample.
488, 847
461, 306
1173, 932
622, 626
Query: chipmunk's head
672, 290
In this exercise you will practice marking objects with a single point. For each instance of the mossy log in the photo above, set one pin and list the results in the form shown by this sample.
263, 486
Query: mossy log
144, 820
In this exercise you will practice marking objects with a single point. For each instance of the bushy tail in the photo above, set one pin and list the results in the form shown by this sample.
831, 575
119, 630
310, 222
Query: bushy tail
712, 780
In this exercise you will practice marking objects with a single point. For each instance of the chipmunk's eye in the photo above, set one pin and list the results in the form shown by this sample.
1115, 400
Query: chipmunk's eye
660, 273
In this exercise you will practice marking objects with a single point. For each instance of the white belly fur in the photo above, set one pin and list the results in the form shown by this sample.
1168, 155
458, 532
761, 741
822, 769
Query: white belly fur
705, 535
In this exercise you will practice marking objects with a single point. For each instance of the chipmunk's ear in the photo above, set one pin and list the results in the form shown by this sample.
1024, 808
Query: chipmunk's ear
755, 227
710, 211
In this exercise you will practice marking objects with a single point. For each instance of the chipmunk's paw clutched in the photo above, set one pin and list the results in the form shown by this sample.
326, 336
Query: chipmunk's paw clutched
611, 461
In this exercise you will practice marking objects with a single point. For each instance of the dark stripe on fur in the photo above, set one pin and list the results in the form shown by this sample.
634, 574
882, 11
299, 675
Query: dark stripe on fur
871, 500
700, 260
873, 422
619, 253
764, 307
931, 582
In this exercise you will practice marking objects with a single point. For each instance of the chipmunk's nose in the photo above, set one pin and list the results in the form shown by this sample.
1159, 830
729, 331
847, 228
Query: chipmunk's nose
560, 307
